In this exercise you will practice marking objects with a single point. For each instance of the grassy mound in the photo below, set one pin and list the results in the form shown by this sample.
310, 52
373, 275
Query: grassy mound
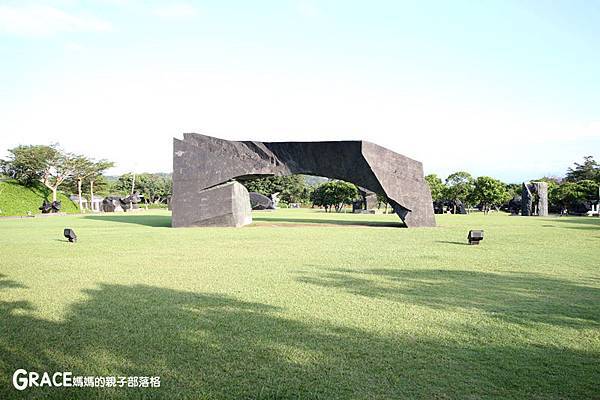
16, 199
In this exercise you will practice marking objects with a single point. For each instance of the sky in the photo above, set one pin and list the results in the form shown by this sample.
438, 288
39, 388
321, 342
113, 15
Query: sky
509, 89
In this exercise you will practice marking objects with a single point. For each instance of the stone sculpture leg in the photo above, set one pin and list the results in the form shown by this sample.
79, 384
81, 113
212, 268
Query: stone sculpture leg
223, 205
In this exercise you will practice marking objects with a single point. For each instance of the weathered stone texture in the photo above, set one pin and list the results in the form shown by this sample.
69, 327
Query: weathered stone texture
260, 202
201, 162
542, 192
534, 199
222, 205
527, 200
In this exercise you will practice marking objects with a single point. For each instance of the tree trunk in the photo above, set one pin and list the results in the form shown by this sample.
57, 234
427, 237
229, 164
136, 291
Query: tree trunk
54, 190
92, 194
79, 194
133, 183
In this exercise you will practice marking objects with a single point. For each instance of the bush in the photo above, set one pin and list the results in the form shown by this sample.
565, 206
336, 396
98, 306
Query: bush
334, 194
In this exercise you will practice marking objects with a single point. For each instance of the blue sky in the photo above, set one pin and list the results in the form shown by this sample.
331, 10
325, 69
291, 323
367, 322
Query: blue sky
507, 89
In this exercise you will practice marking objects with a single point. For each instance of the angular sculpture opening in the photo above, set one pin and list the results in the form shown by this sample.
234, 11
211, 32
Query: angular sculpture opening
203, 162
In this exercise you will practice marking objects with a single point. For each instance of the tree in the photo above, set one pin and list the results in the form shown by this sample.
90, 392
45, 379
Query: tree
334, 194
46, 164
489, 192
126, 183
590, 189
568, 194
154, 187
83, 167
514, 189
588, 170
97, 177
291, 188
459, 186
436, 187
27, 164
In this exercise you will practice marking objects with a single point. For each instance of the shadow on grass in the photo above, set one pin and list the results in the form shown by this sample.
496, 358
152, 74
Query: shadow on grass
584, 223
163, 221
452, 242
513, 297
156, 221
9, 283
329, 221
210, 346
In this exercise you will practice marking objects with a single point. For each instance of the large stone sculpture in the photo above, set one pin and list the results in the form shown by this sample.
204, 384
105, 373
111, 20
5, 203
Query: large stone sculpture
201, 162
534, 198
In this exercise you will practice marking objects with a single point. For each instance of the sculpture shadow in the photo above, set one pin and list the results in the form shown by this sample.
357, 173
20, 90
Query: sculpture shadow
519, 298
156, 221
328, 221
206, 345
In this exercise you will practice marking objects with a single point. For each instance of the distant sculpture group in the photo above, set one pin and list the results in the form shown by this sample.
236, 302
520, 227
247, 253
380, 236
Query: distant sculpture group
109, 204
532, 201
50, 207
449, 206
115, 203
204, 167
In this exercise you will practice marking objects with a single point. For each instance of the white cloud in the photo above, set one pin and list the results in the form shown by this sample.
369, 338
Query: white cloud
176, 10
41, 20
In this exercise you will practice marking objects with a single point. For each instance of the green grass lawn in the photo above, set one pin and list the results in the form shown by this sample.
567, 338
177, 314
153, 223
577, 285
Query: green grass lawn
304, 304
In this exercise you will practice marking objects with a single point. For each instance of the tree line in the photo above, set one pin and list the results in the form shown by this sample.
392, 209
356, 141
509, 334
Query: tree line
578, 188
575, 191
54, 168
330, 194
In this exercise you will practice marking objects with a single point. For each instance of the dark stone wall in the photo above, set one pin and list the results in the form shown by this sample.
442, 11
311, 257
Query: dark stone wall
200, 162
527, 200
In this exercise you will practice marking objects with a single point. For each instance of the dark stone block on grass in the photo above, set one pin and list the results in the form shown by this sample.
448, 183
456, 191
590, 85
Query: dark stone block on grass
260, 202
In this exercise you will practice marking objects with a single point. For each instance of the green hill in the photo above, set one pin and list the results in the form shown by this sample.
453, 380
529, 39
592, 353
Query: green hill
16, 199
